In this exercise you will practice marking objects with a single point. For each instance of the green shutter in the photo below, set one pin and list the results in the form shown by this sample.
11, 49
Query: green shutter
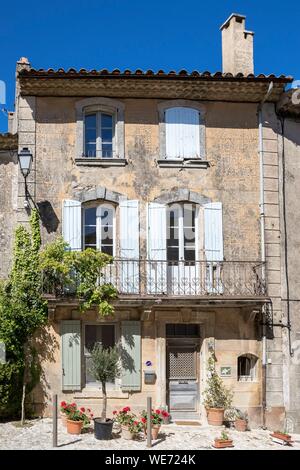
131, 355
71, 354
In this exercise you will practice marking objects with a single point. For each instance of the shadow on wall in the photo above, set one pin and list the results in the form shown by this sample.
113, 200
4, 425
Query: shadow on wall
48, 216
45, 345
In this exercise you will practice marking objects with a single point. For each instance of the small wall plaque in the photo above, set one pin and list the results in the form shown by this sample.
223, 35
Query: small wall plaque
2, 353
148, 363
225, 371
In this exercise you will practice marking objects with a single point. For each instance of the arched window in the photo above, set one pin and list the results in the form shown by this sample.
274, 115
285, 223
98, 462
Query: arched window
246, 367
99, 228
181, 232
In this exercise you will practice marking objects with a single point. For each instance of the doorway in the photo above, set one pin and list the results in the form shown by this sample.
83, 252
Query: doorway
183, 347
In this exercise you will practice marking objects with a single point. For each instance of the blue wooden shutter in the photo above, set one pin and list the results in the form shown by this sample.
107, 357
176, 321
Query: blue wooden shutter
71, 224
71, 354
129, 246
131, 355
182, 133
157, 249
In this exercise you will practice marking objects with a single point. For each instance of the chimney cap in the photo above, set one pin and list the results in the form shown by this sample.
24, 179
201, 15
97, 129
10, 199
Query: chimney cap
23, 60
233, 15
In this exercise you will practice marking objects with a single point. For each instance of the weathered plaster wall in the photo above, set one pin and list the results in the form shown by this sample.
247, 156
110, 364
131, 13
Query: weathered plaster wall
8, 207
290, 171
231, 135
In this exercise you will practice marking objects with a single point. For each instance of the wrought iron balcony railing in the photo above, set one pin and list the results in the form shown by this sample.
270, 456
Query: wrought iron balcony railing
178, 278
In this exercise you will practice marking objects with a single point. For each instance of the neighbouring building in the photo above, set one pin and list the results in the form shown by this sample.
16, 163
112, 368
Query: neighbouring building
177, 175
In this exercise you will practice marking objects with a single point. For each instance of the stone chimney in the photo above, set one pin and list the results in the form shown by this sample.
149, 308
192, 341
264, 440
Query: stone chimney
237, 46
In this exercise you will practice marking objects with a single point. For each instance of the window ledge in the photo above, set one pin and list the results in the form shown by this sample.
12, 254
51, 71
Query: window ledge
183, 163
96, 393
103, 162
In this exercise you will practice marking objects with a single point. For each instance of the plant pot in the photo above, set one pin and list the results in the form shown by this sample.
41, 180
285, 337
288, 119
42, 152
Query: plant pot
64, 419
284, 438
215, 416
222, 443
126, 434
103, 429
155, 428
240, 425
74, 427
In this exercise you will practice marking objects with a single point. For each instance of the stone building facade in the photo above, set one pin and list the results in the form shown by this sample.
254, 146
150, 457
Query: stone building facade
152, 158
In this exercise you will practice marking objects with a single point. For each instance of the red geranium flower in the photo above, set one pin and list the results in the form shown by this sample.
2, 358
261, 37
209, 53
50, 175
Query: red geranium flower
73, 404
165, 414
135, 423
63, 404
115, 412
144, 420
82, 409
157, 411
89, 410
126, 409
92, 415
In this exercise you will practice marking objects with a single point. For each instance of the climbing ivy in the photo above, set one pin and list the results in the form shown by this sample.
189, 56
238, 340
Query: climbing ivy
22, 311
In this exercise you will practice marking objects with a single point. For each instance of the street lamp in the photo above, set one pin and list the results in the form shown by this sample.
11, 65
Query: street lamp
25, 159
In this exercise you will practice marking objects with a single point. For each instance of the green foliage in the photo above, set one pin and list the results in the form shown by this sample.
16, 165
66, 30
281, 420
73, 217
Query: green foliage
216, 395
22, 312
105, 365
79, 273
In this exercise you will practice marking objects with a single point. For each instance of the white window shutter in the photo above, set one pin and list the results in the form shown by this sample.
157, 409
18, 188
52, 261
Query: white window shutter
129, 246
72, 223
182, 133
213, 224
157, 248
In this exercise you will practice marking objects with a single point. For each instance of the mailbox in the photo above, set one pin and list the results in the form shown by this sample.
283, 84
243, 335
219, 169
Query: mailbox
149, 377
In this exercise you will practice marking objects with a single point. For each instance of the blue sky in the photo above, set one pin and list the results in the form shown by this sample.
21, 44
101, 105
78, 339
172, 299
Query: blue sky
167, 34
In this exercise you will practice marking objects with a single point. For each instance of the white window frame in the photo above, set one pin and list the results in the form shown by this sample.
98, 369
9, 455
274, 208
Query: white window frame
106, 106
162, 107
253, 368
95, 385
98, 225
180, 206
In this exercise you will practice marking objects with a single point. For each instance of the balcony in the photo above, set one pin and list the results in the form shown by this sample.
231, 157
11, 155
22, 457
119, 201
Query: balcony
146, 279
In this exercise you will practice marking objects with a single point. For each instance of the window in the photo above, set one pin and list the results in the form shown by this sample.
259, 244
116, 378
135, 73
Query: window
182, 133
247, 368
98, 135
100, 132
99, 228
102, 334
181, 239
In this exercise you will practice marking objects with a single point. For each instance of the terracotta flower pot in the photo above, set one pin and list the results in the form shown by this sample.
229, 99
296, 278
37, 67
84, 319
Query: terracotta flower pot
215, 416
126, 434
64, 419
240, 425
282, 437
222, 443
155, 430
74, 427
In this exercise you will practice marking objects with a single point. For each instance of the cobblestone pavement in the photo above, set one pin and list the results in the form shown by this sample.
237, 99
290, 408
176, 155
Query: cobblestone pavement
38, 435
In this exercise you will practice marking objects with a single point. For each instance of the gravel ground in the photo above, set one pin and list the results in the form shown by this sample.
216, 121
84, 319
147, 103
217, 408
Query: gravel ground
37, 434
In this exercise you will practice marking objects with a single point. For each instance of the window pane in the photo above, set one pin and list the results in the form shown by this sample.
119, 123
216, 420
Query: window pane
106, 135
90, 216
106, 214
107, 249
90, 150
106, 120
173, 253
90, 121
189, 254
90, 235
107, 150
92, 336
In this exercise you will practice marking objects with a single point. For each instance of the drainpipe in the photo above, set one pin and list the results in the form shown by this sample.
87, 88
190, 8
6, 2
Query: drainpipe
263, 249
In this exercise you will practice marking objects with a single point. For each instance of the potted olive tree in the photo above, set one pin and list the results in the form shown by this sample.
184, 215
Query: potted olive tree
105, 368
217, 398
